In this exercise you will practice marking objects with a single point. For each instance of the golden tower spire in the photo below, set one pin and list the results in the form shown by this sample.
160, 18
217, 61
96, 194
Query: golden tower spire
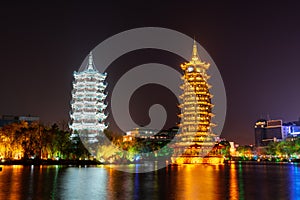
195, 51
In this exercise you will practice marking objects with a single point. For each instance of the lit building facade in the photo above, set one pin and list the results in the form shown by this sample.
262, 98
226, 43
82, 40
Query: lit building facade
88, 104
195, 138
150, 134
267, 131
291, 129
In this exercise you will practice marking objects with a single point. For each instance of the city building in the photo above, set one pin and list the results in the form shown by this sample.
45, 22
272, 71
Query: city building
88, 104
275, 130
139, 133
195, 138
9, 119
267, 131
150, 134
291, 129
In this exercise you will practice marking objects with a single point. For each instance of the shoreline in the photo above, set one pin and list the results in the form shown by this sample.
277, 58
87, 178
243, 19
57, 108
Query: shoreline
254, 162
50, 162
95, 162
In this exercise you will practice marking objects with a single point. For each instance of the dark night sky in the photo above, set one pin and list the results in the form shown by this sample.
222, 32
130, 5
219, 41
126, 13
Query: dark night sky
256, 47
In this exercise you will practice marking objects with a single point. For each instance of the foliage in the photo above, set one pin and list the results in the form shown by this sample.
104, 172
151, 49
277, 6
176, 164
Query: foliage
106, 153
34, 140
221, 148
286, 148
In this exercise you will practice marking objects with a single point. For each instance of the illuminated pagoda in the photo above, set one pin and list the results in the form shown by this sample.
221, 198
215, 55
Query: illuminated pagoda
195, 138
88, 106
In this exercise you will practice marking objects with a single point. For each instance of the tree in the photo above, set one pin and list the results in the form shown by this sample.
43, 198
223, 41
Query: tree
77, 149
107, 153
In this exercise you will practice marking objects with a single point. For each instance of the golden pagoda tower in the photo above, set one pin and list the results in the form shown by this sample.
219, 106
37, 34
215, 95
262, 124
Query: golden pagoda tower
195, 138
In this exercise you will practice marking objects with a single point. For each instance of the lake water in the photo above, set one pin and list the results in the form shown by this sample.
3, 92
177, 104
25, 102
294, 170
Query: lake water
230, 181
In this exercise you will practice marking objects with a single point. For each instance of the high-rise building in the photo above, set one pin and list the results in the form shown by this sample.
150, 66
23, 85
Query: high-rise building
195, 138
88, 103
291, 130
267, 131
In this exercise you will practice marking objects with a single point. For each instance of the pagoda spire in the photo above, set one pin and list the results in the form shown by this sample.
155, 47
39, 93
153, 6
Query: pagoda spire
195, 52
91, 61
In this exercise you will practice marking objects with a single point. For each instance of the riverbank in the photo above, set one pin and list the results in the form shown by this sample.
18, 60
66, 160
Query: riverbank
50, 162
254, 162
95, 162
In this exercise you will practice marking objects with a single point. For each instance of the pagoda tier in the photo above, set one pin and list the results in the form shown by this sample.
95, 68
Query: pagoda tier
195, 138
88, 103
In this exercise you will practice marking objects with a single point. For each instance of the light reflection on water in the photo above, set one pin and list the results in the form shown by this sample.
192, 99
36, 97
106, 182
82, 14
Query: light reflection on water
233, 181
234, 187
294, 177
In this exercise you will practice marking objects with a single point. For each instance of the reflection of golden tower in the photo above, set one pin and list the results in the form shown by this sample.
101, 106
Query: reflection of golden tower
195, 139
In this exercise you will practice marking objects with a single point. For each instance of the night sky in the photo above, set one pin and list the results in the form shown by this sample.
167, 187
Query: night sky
256, 47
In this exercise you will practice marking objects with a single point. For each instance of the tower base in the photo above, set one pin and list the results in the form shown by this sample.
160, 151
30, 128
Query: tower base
197, 160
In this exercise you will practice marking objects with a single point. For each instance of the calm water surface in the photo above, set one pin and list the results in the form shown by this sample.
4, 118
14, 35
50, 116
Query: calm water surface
233, 181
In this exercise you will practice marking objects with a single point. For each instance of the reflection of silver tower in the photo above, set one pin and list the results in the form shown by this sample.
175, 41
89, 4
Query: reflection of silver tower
87, 115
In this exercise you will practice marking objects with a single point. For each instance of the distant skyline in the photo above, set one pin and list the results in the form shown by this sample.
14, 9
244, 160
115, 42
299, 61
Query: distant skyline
255, 46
